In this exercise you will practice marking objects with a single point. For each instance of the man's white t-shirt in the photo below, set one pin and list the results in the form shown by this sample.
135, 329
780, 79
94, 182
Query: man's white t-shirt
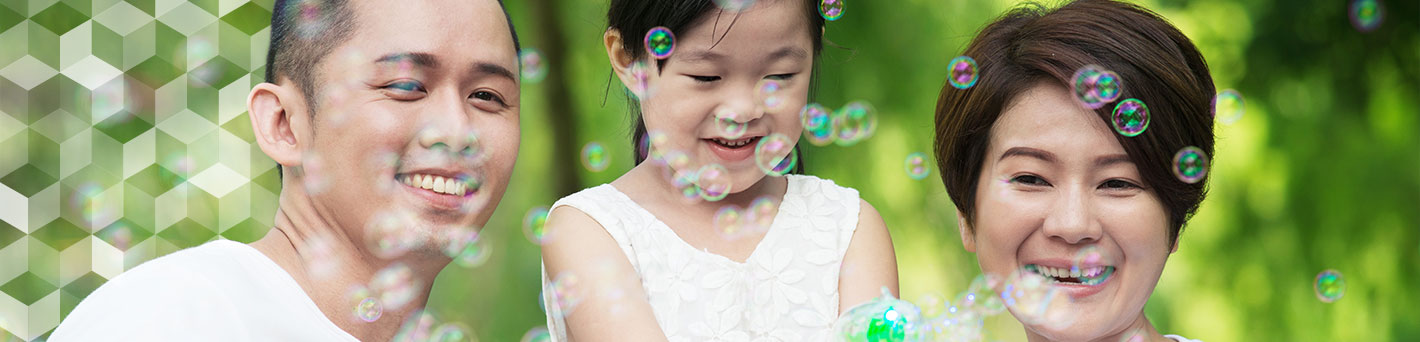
219, 291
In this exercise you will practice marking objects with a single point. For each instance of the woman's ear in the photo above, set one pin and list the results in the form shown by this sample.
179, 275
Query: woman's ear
968, 239
620, 59
277, 114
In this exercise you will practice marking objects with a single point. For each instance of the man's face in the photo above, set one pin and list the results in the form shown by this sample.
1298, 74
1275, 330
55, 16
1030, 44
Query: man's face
416, 129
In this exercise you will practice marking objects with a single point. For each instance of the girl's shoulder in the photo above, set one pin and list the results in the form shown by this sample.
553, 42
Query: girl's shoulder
810, 186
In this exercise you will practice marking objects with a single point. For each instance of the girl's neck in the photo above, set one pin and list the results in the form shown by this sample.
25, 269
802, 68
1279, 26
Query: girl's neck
647, 183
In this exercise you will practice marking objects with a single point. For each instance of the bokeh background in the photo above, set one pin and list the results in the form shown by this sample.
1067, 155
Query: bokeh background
123, 137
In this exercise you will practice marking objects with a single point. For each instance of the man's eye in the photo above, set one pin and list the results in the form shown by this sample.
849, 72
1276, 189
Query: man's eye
406, 86
704, 79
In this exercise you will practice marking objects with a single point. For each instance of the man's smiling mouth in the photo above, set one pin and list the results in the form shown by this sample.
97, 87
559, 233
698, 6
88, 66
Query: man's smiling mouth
440, 184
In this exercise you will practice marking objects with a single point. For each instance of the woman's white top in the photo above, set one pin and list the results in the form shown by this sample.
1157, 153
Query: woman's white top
787, 290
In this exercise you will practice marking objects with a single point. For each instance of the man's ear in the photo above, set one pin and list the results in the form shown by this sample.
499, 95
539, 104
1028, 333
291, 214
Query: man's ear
277, 114
621, 60
968, 239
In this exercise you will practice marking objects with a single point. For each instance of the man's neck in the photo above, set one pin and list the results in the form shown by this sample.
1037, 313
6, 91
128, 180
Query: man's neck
327, 263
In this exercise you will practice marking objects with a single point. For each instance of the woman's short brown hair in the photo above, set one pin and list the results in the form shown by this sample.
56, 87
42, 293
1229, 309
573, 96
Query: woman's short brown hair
1155, 62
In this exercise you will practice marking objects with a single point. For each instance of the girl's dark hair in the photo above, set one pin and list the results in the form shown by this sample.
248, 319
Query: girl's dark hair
1155, 62
634, 17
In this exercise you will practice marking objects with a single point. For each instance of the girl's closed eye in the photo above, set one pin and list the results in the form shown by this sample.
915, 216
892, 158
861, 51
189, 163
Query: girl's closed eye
782, 77
704, 78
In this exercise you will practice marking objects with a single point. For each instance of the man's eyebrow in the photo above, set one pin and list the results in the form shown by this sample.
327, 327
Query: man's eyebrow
486, 68
1028, 152
418, 58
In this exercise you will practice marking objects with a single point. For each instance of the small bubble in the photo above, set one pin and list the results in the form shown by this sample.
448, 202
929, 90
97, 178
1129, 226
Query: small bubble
534, 68
450, 332
1329, 286
535, 225
818, 124
1131, 117
565, 292
474, 253
391, 233
594, 157
855, 122
729, 221
727, 123
831, 9
640, 79
1228, 106
761, 212
770, 93
395, 285
660, 42
713, 182
1094, 86
537, 334
369, 309
1367, 15
964, 72
1190, 164
916, 165
775, 155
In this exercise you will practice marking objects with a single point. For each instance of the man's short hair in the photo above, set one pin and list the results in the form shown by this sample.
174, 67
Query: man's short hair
304, 31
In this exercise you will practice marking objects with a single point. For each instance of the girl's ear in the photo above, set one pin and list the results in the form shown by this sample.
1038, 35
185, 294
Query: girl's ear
620, 59
968, 239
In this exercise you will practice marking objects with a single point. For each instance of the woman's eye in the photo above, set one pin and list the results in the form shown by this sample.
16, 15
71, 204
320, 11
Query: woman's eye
781, 77
1030, 180
1118, 184
704, 79
489, 96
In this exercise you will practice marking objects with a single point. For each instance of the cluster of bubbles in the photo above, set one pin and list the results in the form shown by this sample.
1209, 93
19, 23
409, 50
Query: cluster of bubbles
1329, 286
535, 225
1190, 164
853, 123
916, 165
963, 72
831, 9
1027, 294
424, 327
594, 157
533, 67
660, 42
1366, 15
733, 222
1131, 117
1094, 86
1228, 106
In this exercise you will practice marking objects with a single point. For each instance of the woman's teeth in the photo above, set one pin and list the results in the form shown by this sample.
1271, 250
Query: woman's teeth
1087, 275
733, 143
438, 184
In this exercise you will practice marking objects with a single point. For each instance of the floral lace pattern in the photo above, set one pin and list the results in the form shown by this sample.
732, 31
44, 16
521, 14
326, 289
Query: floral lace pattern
787, 290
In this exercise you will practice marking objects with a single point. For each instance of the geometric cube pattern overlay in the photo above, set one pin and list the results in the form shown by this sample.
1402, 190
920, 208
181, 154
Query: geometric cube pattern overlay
123, 137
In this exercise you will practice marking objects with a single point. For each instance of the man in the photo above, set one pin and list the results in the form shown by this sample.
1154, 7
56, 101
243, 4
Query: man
395, 124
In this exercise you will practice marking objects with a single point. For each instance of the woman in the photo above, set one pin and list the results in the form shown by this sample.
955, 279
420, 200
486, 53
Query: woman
1042, 170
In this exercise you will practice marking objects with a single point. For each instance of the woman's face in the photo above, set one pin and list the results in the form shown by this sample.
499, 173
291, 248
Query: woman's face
713, 75
1054, 183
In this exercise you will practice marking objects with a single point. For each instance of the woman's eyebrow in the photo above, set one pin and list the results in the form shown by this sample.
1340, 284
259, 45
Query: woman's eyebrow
1028, 152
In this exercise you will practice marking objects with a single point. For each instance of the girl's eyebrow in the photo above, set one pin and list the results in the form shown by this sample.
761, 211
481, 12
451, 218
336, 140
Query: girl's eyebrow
707, 55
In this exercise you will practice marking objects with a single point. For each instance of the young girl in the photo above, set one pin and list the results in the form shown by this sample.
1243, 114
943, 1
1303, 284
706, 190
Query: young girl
670, 250
1087, 194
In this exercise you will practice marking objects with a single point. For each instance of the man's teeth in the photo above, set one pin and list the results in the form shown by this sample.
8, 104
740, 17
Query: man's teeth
733, 143
434, 183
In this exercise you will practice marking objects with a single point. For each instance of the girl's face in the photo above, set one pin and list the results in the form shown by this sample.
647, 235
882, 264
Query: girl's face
713, 73
1055, 182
